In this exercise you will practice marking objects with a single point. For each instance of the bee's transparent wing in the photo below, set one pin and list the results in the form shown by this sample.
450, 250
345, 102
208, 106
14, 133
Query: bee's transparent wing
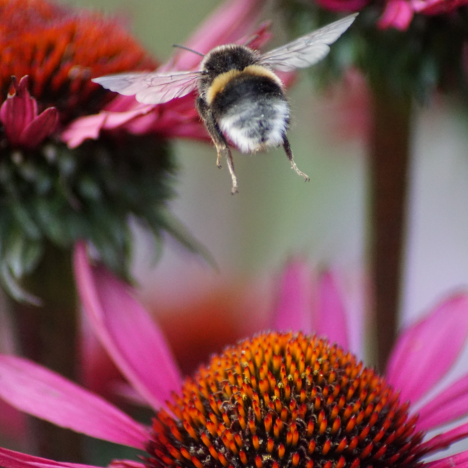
151, 88
306, 50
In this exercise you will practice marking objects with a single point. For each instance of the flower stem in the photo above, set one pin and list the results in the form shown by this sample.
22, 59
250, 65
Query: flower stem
389, 151
48, 336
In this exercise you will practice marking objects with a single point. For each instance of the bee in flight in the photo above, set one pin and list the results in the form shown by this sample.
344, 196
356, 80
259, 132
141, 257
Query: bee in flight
240, 98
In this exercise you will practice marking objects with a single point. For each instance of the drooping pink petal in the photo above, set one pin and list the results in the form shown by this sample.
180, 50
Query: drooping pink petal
127, 464
128, 333
331, 312
91, 126
397, 14
17, 111
295, 307
230, 22
12, 459
343, 5
449, 405
444, 440
39, 128
47, 395
426, 351
458, 460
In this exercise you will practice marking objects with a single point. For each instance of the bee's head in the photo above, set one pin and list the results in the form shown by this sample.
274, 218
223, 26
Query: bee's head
228, 57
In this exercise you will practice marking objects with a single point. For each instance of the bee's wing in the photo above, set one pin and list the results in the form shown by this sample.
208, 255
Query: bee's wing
306, 50
151, 88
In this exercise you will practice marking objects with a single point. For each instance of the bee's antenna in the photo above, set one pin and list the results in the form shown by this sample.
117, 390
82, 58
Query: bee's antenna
255, 36
186, 48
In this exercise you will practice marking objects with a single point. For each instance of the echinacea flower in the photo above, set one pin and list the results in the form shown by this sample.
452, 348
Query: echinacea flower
50, 195
232, 22
279, 399
76, 162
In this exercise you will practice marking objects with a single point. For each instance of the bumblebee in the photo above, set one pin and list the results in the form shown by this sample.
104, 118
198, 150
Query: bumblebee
240, 98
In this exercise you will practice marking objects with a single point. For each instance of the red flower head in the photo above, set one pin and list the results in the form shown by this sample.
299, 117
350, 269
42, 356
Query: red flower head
61, 49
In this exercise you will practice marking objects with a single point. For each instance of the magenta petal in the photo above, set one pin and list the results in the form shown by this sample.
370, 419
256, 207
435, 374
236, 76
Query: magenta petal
83, 128
444, 440
397, 14
331, 312
447, 406
18, 111
12, 459
294, 308
426, 351
231, 21
44, 394
460, 460
128, 333
90, 127
41, 127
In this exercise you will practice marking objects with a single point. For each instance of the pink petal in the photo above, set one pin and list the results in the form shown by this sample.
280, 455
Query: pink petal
295, 306
231, 21
343, 5
447, 406
12, 459
40, 127
444, 440
127, 464
128, 333
461, 460
18, 111
331, 312
47, 395
91, 126
397, 14
83, 128
425, 351
436, 7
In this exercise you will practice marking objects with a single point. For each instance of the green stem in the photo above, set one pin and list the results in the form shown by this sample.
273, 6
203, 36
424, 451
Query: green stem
48, 336
389, 151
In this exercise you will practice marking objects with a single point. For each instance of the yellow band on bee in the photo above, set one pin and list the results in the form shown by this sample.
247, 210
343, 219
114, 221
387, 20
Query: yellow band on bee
220, 82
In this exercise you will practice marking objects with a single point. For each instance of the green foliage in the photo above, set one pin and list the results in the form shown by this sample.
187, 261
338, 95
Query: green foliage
57, 195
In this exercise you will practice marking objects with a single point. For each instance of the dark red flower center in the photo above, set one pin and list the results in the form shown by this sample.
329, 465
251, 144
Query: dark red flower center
284, 400
61, 50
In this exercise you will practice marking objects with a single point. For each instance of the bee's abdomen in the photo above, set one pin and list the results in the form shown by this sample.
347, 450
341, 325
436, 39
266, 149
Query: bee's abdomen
252, 111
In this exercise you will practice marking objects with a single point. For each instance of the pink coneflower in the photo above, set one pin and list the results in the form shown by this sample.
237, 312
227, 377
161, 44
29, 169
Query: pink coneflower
233, 22
76, 161
278, 399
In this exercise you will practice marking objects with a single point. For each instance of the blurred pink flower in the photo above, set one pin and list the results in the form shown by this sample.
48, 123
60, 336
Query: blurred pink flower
22, 124
343, 5
399, 13
421, 357
345, 108
233, 22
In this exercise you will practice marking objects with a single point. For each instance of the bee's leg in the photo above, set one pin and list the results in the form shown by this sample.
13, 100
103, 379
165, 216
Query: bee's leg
219, 141
230, 163
287, 149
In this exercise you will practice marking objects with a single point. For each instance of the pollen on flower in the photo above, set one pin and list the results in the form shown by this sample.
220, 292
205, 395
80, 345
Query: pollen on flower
284, 400
61, 50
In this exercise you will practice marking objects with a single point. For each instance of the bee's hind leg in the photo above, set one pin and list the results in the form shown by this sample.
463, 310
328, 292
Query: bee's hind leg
287, 149
219, 141
230, 163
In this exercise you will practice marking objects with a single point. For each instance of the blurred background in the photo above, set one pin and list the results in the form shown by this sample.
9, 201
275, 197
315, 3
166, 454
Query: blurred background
276, 215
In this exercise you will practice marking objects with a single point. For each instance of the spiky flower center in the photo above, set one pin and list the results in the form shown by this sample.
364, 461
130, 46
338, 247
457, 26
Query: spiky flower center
284, 400
61, 50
